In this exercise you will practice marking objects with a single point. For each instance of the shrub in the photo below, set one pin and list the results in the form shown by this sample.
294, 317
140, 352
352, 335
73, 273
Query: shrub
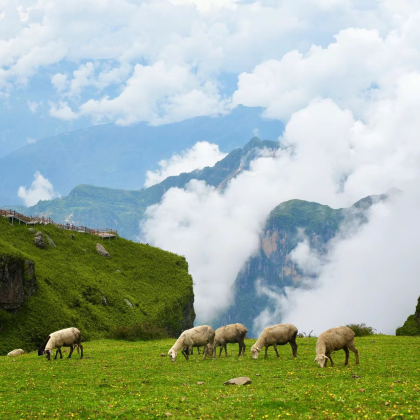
361, 330
142, 332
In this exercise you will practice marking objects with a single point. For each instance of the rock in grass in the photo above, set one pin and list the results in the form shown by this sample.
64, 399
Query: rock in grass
162, 354
39, 240
200, 383
51, 242
31, 230
102, 251
242, 380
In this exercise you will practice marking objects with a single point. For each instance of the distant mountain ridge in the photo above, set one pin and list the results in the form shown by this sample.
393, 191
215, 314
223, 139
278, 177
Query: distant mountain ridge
88, 205
115, 156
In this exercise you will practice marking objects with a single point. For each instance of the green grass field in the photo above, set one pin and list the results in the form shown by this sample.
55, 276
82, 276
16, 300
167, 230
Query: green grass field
130, 380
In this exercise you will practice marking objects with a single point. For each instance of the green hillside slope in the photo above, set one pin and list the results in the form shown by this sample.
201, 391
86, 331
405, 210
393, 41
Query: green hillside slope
72, 285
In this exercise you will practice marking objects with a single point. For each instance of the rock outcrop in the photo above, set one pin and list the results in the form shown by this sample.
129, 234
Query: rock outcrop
17, 281
242, 380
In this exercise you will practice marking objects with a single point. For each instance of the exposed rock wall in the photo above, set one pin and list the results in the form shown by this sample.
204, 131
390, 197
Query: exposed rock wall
17, 281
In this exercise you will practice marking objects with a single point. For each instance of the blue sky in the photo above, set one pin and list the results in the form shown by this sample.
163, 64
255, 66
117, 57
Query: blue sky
69, 64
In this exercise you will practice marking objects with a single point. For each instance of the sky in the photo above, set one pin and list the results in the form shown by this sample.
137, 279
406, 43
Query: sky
343, 76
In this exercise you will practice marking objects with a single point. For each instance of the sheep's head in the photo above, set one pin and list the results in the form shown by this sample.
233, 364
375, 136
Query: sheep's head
48, 353
172, 355
210, 349
255, 351
41, 351
321, 359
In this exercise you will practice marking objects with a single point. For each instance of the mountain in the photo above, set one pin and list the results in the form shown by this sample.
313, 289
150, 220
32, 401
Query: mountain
272, 267
92, 206
118, 157
44, 290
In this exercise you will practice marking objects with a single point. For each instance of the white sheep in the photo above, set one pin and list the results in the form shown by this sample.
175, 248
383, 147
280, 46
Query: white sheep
17, 352
279, 334
69, 337
194, 337
232, 333
332, 340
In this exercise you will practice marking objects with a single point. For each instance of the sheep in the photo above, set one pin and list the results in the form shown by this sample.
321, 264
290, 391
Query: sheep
332, 340
69, 337
194, 337
279, 334
17, 352
232, 333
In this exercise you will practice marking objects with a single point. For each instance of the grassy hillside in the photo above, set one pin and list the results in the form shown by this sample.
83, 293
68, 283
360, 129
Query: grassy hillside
132, 381
73, 280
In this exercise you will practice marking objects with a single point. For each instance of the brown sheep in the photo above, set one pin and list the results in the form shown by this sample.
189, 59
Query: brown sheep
232, 333
279, 334
339, 338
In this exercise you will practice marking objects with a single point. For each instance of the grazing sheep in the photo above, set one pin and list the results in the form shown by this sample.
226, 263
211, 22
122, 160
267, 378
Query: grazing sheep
17, 352
279, 334
69, 337
232, 333
332, 340
194, 337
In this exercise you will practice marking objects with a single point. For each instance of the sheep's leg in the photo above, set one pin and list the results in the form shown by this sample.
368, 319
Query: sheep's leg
347, 355
71, 351
56, 354
266, 349
275, 348
225, 350
294, 346
205, 351
355, 351
81, 351
243, 348
61, 354
329, 357
185, 353
220, 352
240, 349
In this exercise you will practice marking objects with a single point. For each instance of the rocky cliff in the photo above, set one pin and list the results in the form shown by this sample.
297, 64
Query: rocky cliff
17, 281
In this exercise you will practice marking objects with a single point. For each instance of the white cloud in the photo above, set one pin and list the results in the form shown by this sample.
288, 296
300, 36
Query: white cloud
30, 140
206, 5
202, 154
40, 189
62, 111
158, 94
60, 82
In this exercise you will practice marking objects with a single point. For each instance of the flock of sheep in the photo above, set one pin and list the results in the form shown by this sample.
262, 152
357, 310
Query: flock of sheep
340, 338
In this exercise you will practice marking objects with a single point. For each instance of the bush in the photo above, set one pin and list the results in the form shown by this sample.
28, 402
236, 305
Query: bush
141, 332
411, 327
361, 330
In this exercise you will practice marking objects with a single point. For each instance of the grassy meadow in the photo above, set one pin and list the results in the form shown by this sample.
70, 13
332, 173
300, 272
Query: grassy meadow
130, 380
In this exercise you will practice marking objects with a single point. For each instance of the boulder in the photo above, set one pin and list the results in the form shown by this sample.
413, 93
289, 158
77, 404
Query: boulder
32, 230
39, 240
51, 242
100, 249
242, 380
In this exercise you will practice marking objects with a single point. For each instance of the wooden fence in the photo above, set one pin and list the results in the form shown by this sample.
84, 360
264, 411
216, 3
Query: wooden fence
34, 220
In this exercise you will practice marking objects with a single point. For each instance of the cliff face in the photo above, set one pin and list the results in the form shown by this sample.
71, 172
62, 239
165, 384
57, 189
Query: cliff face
17, 281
